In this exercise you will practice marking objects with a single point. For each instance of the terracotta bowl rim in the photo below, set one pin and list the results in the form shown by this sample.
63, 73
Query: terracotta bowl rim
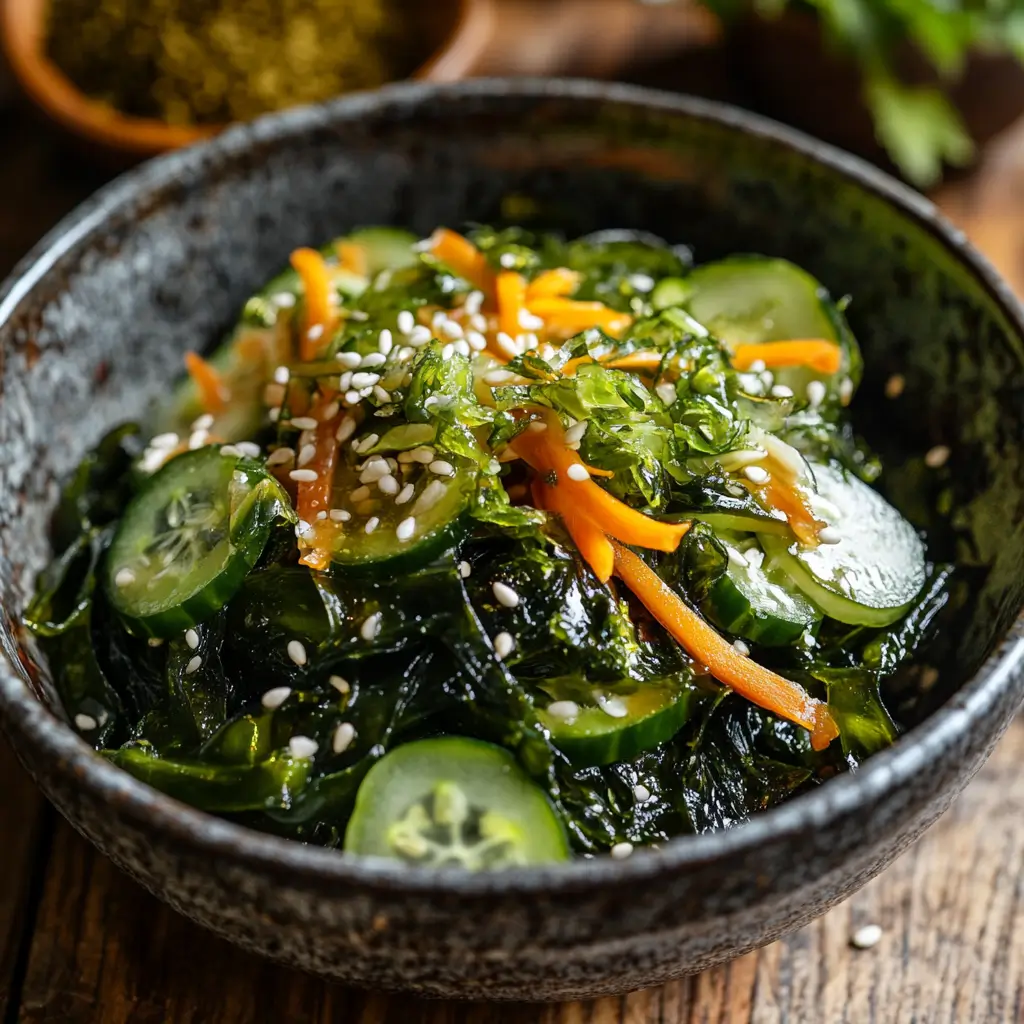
30, 723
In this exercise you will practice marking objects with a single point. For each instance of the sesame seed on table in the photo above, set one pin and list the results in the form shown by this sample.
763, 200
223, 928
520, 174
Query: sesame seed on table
937, 938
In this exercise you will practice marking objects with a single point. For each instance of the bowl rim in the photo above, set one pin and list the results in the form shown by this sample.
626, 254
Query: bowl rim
77, 763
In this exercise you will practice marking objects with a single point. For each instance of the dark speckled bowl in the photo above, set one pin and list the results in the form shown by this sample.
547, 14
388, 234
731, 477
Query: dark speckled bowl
93, 325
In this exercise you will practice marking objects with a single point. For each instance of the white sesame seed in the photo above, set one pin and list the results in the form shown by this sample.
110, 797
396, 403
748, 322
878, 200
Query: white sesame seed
565, 710
274, 698
474, 300
406, 322
504, 645
85, 722
641, 794
620, 851
230, 451
405, 494
498, 377
430, 496
297, 652
193, 665
155, 641
360, 494
365, 443
465, 570
343, 737
816, 392
203, 422
448, 351
339, 515
476, 341
756, 474
303, 476
641, 282
274, 414
478, 322
304, 423
346, 428
462, 348
504, 594
381, 394
894, 385
757, 366
341, 685
352, 398
507, 344
829, 535
529, 322
124, 577
350, 360
846, 391
364, 380
192, 638
374, 470
371, 524
424, 454
249, 449
441, 468
867, 936
306, 454
438, 318
370, 627
388, 485
302, 528
322, 514
282, 375
538, 426
781, 391
197, 439
613, 707
406, 528
315, 332
936, 457
740, 647
283, 300
575, 433
420, 336
385, 341
667, 393
164, 441
451, 329
302, 747
372, 360
578, 472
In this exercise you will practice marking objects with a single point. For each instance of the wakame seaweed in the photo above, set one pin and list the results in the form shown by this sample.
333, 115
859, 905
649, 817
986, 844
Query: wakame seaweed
487, 550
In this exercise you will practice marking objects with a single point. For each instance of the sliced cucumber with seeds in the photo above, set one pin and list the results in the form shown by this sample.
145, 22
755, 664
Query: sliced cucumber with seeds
594, 725
187, 541
874, 572
454, 802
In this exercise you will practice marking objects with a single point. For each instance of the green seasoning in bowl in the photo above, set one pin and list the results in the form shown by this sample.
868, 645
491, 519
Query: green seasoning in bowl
493, 550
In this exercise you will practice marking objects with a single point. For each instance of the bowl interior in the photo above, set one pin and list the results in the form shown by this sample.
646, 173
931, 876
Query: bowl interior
161, 262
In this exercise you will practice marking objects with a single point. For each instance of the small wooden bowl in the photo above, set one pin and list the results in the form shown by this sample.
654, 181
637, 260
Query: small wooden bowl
22, 34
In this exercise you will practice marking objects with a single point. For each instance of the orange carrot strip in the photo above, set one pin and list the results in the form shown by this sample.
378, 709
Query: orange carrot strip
316, 282
462, 256
570, 368
597, 471
213, 392
568, 317
823, 356
553, 284
644, 362
546, 452
511, 292
315, 496
792, 504
757, 684
594, 547
352, 257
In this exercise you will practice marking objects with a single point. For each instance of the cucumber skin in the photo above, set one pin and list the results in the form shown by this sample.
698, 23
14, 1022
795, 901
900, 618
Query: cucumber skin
727, 607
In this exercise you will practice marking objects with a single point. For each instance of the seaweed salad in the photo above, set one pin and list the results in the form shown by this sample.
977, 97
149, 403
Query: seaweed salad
490, 549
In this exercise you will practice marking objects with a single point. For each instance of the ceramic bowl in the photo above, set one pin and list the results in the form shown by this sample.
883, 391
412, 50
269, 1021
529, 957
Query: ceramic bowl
94, 323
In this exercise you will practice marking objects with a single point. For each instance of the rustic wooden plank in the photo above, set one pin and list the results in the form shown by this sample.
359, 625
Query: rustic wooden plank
21, 851
952, 949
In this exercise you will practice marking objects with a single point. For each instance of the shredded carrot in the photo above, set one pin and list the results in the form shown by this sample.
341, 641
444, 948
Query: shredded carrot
214, 394
315, 496
546, 452
757, 684
553, 284
352, 257
316, 282
644, 362
823, 356
594, 547
792, 504
511, 293
462, 256
570, 368
597, 471
568, 317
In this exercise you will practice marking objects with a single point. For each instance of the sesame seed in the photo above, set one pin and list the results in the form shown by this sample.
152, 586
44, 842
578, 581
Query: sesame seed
283, 300
341, 685
322, 514
846, 391
504, 645
230, 451
829, 535
441, 468
275, 415
164, 441
282, 375
641, 794
350, 360
302, 747
373, 359
781, 391
155, 641
575, 433
476, 341
431, 495
894, 385
370, 627
406, 528
538, 426
352, 398
451, 329
346, 428
936, 457
381, 394
85, 722
507, 344
248, 448
474, 300
374, 470
343, 737
304, 423
193, 665
565, 710
360, 494
478, 322
302, 528
756, 474
438, 318
339, 515
406, 322
613, 707
203, 422
274, 698
297, 652
866, 937
365, 443
306, 454
315, 332
508, 260
420, 336
405, 494
498, 377
578, 472
667, 393
303, 476
385, 341
462, 348
371, 524
641, 282
465, 570
529, 322
423, 454
816, 392
364, 380
197, 439
504, 594
192, 638
448, 351
388, 485
620, 851
124, 577
741, 648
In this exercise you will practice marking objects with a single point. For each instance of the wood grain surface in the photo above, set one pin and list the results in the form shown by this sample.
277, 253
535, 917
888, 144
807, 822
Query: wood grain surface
81, 944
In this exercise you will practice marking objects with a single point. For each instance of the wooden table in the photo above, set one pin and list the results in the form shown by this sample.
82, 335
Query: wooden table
81, 943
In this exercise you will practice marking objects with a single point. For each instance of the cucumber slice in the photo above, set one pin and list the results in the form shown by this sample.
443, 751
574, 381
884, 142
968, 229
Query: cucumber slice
756, 601
386, 248
187, 541
742, 523
670, 291
872, 575
454, 802
748, 300
592, 725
